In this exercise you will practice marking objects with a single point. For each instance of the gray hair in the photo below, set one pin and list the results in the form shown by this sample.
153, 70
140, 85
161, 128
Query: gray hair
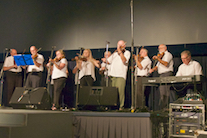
186, 52
109, 52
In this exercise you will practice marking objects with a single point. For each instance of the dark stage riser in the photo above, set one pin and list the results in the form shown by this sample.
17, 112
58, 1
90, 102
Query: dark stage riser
112, 125
19, 123
35, 124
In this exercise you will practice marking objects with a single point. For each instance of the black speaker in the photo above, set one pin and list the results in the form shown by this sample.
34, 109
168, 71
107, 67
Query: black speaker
98, 96
30, 98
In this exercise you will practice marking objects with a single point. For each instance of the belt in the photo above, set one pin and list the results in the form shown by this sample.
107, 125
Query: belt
141, 76
35, 72
15, 72
166, 72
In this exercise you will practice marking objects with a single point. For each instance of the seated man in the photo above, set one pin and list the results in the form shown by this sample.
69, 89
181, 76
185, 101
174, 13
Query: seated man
189, 67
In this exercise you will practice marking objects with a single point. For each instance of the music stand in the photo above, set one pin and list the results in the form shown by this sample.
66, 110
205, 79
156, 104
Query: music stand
23, 60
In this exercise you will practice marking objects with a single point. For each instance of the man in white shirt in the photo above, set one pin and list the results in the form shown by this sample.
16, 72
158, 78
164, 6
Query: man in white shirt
105, 70
143, 65
165, 68
189, 67
35, 71
119, 66
13, 75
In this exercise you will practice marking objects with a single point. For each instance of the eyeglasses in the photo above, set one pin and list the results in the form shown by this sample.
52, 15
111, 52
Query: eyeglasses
185, 57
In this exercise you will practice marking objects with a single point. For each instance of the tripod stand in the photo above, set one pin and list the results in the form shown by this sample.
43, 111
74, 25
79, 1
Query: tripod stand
2, 76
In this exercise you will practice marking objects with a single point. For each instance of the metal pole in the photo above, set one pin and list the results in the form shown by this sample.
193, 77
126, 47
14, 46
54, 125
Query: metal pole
107, 79
77, 85
132, 51
135, 81
48, 80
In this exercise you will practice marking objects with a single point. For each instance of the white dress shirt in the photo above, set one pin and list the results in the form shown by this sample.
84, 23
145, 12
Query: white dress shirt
34, 68
10, 62
107, 66
87, 69
193, 68
146, 64
118, 68
167, 58
57, 73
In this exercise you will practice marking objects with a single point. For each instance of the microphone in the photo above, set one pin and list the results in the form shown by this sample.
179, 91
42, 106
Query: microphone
107, 42
25, 92
7, 49
20, 98
82, 48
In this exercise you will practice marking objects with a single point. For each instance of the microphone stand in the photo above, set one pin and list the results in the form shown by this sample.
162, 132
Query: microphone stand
48, 80
134, 103
28, 91
77, 85
2, 77
194, 83
107, 77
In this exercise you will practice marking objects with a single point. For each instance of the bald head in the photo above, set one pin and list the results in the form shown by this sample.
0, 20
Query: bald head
33, 50
162, 48
13, 52
121, 43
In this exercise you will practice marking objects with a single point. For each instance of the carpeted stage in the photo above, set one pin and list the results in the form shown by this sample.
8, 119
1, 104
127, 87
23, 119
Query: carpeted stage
19, 123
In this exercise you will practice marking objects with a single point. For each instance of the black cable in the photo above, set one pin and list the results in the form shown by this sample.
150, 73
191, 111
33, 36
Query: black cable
185, 85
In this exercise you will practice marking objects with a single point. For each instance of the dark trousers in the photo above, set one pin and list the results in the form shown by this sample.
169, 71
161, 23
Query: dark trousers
34, 79
86, 81
103, 81
141, 96
13, 80
59, 84
164, 91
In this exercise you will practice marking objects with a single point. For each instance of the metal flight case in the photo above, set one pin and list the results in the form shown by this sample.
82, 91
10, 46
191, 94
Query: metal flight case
184, 119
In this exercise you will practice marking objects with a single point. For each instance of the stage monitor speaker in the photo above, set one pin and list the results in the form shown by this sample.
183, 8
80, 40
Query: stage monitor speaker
30, 98
98, 96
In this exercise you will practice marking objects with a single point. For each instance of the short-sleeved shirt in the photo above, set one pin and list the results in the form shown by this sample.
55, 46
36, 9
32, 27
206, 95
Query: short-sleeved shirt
193, 68
88, 68
118, 68
10, 62
57, 73
107, 66
146, 64
40, 60
167, 58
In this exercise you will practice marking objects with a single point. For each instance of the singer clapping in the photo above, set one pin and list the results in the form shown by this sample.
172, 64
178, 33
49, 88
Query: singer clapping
35, 71
86, 64
59, 76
